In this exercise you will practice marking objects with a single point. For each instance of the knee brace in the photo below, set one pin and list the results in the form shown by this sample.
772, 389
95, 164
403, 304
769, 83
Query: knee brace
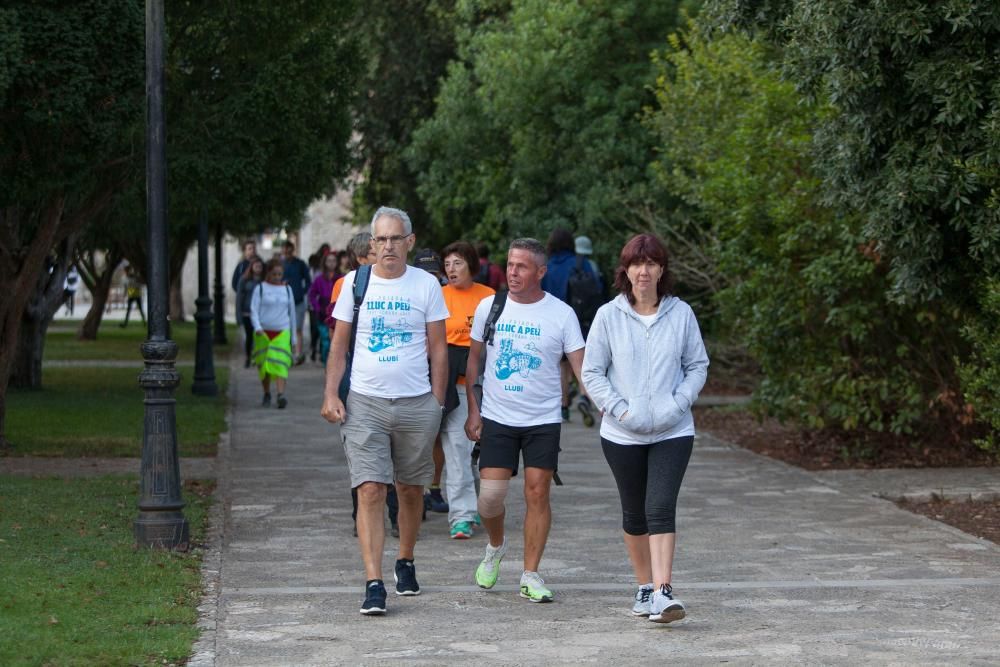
492, 493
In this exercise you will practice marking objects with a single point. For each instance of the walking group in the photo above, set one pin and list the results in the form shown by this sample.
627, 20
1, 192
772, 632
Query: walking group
488, 371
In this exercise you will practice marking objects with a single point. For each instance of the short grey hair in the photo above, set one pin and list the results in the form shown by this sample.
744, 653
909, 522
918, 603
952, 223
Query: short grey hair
360, 244
397, 213
534, 246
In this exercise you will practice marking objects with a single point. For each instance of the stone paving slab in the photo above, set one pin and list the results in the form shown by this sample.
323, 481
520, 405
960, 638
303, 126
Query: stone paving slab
918, 485
777, 566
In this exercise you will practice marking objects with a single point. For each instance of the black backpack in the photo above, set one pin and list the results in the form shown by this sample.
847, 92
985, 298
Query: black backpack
583, 292
358, 289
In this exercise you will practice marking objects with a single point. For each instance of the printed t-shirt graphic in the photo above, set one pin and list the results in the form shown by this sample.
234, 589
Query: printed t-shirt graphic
521, 379
390, 358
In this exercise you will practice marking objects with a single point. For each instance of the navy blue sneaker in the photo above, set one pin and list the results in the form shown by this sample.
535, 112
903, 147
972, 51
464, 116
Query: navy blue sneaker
406, 578
374, 604
435, 502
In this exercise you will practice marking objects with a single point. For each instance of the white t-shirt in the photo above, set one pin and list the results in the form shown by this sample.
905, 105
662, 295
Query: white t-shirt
390, 355
521, 382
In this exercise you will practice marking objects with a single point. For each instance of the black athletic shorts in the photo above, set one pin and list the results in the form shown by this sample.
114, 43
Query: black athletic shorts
499, 446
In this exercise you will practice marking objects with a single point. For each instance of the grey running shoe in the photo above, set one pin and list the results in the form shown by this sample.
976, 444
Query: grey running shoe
267, 401
664, 608
643, 602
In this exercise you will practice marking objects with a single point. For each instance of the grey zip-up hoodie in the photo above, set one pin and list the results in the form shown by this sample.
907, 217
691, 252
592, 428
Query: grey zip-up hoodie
653, 374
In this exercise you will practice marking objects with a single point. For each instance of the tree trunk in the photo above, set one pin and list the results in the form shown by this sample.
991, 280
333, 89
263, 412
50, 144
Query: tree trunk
92, 322
99, 284
176, 298
26, 371
5, 445
17, 279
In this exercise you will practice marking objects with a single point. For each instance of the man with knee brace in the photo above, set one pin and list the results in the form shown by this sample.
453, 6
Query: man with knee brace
393, 410
520, 415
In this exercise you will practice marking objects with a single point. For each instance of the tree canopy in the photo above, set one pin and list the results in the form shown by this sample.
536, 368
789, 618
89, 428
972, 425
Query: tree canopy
538, 122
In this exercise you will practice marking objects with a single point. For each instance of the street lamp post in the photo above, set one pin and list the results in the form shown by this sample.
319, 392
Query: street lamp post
161, 522
204, 365
220, 295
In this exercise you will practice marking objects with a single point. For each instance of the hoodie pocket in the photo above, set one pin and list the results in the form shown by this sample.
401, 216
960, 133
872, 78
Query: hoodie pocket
666, 414
640, 416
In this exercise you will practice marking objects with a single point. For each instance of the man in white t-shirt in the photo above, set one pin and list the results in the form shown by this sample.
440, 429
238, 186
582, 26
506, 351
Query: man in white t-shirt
394, 407
520, 413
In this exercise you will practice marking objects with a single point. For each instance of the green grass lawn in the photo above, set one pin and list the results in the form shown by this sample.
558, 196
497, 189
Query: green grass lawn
116, 343
90, 411
74, 591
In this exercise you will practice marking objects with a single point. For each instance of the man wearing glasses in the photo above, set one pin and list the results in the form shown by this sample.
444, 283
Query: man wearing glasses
394, 407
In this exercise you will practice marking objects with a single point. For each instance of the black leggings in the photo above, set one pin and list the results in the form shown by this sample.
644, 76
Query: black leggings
649, 478
248, 338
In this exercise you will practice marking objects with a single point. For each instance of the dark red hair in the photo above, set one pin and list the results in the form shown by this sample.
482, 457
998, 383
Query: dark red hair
640, 248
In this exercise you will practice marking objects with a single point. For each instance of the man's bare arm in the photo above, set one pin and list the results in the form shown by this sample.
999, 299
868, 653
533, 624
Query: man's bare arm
333, 409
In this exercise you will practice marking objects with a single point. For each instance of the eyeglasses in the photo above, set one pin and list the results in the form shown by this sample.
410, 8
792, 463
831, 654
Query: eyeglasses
390, 240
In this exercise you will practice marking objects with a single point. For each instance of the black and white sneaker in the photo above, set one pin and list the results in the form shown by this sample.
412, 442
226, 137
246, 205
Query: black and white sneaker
282, 402
664, 608
406, 578
374, 604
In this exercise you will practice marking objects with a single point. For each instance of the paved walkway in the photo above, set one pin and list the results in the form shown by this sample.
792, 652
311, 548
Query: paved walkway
777, 565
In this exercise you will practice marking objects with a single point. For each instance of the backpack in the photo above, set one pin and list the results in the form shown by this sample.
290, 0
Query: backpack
583, 293
359, 288
489, 328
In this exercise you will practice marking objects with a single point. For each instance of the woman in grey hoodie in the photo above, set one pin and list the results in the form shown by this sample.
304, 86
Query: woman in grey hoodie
644, 365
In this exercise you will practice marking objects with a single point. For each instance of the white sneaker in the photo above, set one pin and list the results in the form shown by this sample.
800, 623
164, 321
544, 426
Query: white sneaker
664, 608
642, 601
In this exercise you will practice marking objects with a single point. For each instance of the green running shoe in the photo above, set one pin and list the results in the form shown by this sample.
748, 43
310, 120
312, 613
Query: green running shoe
489, 569
461, 530
533, 588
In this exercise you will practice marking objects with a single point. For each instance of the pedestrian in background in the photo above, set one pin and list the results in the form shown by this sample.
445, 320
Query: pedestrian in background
133, 295
560, 268
319, 299
430, 261
462, 295
298, 278
70, 284
249, 252
644, 366
272, 311
489, 274
248, 282
585, 251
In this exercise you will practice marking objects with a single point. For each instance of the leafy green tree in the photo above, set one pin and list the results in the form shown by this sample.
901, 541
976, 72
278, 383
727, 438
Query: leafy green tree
537, 124
71, 86
396, 93
804, 289
258, 124
914, 146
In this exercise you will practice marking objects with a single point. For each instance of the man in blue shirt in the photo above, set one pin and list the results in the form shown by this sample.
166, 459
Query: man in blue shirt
297, 277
